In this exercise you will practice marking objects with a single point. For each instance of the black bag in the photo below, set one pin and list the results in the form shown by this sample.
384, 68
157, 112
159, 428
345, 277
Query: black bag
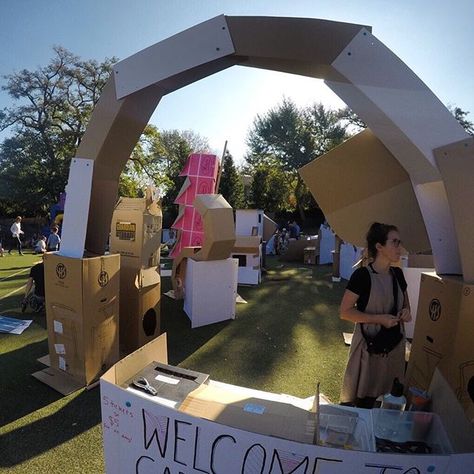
386, 339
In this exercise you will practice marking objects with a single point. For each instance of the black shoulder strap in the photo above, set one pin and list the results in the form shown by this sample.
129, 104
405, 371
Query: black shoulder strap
395, 284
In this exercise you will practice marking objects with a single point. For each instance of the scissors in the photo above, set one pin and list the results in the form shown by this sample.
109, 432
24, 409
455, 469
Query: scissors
143, 384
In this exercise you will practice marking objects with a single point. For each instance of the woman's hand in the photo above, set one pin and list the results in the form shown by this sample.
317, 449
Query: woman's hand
388, 320
405, 315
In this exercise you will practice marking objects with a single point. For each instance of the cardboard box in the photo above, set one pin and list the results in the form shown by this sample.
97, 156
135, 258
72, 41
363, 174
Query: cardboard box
250, 222
136, 231
144, 434
310, 256
136, 235
210, 291
417, 265
219, 240
82, 312
295, 249
248, 251
140, 320
443, 335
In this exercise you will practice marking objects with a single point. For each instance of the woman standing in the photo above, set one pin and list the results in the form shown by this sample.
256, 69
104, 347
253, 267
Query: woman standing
369, 302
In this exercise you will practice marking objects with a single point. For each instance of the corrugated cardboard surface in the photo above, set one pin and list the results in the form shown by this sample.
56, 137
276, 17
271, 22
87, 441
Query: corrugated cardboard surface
456, 164
251, 414
458, 366
247, 244
136, 299
136, 232
438, 320
82, 306
371, 186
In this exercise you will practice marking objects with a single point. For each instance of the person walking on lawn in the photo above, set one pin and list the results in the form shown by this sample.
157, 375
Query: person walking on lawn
16, 232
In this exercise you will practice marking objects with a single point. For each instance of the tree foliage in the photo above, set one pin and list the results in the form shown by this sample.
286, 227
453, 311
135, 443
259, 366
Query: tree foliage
287, 138
52, 107
231, 185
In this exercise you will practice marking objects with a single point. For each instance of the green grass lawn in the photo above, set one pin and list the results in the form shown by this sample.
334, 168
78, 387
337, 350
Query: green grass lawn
284, 340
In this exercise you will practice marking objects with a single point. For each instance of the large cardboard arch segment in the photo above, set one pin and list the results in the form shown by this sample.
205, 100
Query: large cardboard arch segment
402, 112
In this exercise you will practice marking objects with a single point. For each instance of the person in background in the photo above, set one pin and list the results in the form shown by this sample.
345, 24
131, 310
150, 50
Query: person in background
368, 302
2, 239
16, 232
295, 230
54, 240
34, 291
40, 245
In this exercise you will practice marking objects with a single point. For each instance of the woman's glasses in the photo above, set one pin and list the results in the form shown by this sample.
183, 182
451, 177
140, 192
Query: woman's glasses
396, 242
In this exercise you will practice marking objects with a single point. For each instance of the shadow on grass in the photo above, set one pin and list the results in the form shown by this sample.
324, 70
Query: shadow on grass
20, 393
77, 416
182, 340
289, 320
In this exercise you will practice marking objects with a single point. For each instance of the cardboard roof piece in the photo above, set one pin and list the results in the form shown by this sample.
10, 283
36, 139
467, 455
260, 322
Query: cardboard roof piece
247, 244
201, 171
219, 231
371, 186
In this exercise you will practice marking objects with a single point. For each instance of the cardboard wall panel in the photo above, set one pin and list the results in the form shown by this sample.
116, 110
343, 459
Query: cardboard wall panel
371, 186
456, 163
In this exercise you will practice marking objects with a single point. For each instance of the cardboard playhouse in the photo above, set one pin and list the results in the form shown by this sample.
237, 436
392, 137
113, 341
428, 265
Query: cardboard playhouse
82, 317
206, 277
249, 231
195, 424
135, 234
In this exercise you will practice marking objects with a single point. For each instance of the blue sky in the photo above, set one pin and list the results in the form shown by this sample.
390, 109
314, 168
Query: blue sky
433, 37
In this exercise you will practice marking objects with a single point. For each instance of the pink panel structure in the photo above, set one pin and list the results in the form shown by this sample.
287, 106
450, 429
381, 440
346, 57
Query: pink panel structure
201, 177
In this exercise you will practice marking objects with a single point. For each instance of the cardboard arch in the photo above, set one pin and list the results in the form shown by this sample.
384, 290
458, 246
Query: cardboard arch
398, 107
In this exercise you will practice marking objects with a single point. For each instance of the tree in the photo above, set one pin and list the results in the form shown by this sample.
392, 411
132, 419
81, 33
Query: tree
269, 190
54, 106
231, 185
291, 138
461, 116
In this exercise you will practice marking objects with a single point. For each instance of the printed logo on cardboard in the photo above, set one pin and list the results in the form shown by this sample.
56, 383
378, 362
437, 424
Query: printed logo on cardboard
103, 278
61, 271
434, 309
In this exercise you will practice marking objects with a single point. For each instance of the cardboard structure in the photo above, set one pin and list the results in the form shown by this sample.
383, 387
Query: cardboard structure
136, 235
248, 251
415, 266
408, 120
443, 337
219, 237
367, 192
201, 175
348, 257
239, 430
210, 291
82, 313
250, 222
295, 250
327, 242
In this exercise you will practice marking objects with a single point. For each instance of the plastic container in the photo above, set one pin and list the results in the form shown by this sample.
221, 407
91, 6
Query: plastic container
413, 426
352, 430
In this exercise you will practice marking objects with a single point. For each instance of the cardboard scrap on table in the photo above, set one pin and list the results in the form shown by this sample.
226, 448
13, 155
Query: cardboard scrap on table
13, 325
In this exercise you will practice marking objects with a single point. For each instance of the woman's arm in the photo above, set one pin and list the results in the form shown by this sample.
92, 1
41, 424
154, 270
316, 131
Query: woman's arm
405, 313
349, 312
